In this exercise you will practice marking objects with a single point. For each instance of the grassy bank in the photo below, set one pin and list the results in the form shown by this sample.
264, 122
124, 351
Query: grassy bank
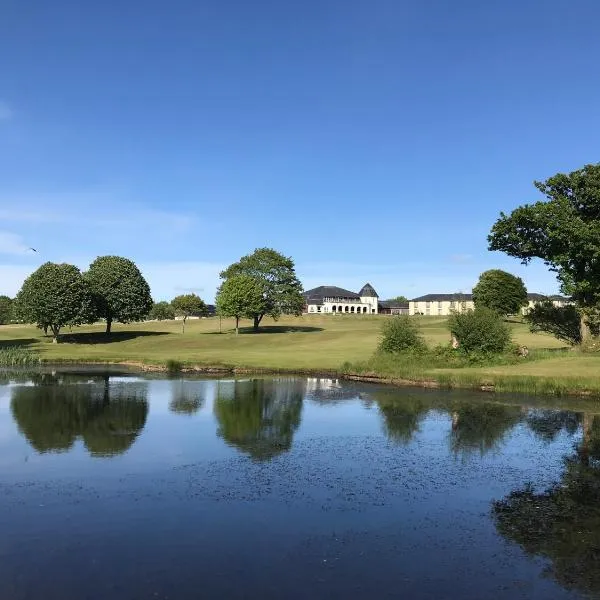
311, 343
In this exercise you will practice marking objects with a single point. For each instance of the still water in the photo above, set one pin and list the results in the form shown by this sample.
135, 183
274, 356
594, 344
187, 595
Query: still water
117, 486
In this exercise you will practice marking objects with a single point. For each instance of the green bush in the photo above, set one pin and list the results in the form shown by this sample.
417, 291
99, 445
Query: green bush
173, 366
480, 331
401, 334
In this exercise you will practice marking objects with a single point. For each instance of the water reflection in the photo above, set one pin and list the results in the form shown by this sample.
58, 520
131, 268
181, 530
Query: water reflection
187, 397
481, 427
473, 426
562, 523
259, 416
549, 424
401, 417
58, 409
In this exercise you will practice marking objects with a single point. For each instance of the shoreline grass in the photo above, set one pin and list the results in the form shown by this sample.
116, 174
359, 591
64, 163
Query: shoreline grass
312, 345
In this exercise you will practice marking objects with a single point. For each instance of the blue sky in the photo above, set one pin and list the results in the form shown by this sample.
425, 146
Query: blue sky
369, 140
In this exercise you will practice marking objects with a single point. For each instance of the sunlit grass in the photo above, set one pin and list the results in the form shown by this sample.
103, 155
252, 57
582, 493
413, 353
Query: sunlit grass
311, 343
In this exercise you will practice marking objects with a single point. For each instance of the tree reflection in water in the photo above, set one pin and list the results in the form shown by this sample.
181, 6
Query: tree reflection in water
402, 416
481, 426
187, 397
475, 426
58, 409
562, 524
259, 416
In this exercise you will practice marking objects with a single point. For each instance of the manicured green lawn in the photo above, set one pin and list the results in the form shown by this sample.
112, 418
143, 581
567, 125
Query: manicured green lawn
318, 343
308, 342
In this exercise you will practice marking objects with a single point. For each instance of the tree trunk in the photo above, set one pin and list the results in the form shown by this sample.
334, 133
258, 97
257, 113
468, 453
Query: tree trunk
257, 320
584, 329
55, 332
45, 329
183, 328
108, 324
237, 323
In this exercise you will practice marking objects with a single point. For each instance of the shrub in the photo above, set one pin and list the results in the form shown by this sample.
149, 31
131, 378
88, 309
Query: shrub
480, 331
563, 322
401, 334
173, 366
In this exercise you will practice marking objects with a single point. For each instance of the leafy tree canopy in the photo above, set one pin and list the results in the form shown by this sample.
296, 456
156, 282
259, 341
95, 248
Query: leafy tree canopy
240, 296
563, 322
399, 299
6, 310
188, 305
120, 291
501, 291
563, 231
282, 291
161, 311
54, 296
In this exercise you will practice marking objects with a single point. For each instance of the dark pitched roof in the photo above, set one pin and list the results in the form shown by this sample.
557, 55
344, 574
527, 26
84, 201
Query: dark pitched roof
443, 297
368, 291
393, 304
316, 295
535, 296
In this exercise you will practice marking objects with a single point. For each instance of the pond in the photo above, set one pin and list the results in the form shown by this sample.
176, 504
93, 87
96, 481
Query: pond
122, 486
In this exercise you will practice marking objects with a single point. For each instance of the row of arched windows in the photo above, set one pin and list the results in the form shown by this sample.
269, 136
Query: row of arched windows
348, 309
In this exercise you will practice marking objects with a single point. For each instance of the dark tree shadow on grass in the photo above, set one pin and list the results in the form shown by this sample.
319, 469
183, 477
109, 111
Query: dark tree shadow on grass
273, 329
18, 343
100, 337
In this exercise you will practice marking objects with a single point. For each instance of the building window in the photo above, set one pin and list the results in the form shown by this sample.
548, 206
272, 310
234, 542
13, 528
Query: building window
440, 308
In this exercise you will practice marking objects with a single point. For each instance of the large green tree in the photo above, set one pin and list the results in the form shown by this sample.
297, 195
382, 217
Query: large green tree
6, 310
161, 311
188, 305
120, 291
564, 231
501, 291
240, 296
54, 296
281, 288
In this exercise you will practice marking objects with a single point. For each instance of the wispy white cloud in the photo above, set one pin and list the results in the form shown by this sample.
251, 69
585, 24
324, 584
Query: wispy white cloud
13, 244
5, 111
96, 211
